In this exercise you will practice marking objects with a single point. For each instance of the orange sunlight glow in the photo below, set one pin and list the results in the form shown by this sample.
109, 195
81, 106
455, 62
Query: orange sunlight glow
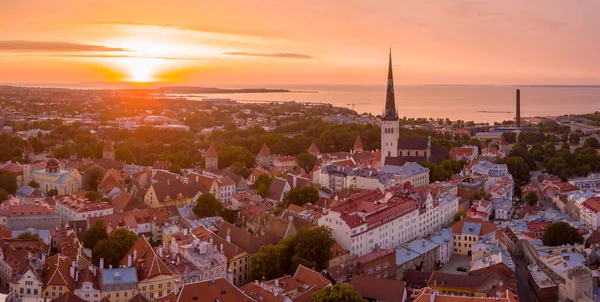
141, 69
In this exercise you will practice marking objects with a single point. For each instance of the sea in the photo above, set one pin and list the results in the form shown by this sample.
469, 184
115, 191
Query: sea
481, 104
478, 103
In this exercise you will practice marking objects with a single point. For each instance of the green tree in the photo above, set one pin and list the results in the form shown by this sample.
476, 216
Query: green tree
231, 154
591, 142
125, 155
28, 235
93, 195
310, 247
52, 192
229, 215
337, 293
518, 168
34, 184
63, 151
92, 177
268, 262
115, 247
241, 169
574, 139
302, 196
86, 152
8, 181
262, 183
306, 161
510, 137
175, 169
459, 215
531, 198
3, 195
560, 233
95, 234
207, 206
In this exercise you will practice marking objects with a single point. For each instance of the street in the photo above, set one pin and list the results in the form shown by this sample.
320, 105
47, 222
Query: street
524, 288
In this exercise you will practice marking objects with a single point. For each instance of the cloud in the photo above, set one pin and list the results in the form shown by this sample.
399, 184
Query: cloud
270, 55
102, 56
45, 46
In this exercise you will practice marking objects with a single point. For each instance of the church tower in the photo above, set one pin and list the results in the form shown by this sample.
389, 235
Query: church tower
390, 126
27, 155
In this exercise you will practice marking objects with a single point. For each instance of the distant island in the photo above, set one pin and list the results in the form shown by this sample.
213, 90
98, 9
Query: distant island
206, 90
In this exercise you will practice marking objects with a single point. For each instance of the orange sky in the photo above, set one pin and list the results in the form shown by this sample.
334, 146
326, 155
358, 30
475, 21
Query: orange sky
278, 42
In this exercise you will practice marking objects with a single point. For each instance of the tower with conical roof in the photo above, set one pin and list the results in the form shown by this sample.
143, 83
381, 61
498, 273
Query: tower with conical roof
390, 126
314, 150
264, 156
358, 145
27, 157
211, 158
108, 152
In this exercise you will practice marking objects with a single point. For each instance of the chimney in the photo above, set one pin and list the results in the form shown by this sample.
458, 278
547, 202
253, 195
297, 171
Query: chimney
72, 272
229, 234
43, 258
134, 255
76, 276
128, 260
160, 251
518, 114
102, 262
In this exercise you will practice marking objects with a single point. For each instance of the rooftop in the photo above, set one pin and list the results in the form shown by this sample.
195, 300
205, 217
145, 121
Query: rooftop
540, 277
116, 276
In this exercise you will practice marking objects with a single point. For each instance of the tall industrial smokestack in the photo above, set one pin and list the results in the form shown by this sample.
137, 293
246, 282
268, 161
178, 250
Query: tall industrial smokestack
518, 116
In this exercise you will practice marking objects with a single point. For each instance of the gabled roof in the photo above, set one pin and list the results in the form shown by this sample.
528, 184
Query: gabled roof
148, 262
245, 240
212, 152
313, 148
69, 297
297, 181
212, 290
378, 289
473, 226
127, 202
174, 188
264, 150
86, 275
276, 189
313, 278
57, 271
140, 298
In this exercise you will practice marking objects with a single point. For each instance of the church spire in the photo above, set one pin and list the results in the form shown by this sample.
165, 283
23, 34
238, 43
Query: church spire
390, 113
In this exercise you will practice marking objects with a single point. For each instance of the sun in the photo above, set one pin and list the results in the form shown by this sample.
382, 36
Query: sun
142, 70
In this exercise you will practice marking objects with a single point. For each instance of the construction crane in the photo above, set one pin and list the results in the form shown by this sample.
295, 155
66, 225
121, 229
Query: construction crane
353, 103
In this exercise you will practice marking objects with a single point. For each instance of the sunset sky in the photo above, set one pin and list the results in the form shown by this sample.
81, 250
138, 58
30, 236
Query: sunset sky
278, 42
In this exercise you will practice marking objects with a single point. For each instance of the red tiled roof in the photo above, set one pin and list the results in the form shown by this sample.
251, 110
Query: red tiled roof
57, 271
312, 278
148, 262
212, 152
358, 145
313, 148
486, 227
219, 289
592, 204
108, 146
264, 150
